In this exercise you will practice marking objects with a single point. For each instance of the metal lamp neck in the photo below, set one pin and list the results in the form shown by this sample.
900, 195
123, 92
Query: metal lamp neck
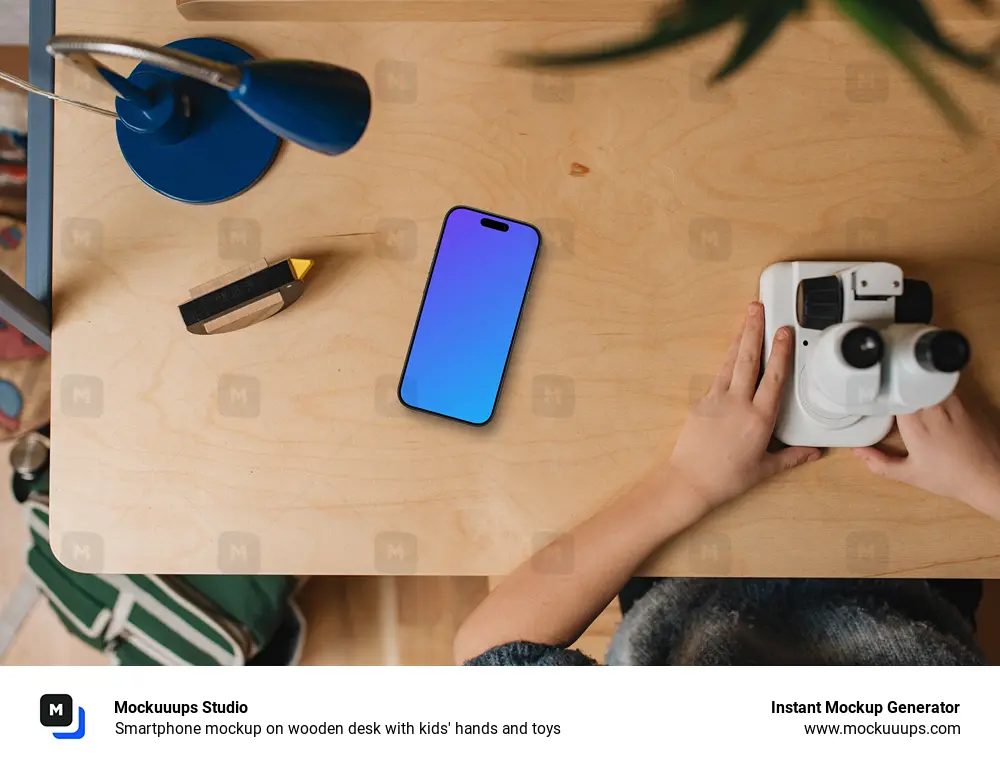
79, 49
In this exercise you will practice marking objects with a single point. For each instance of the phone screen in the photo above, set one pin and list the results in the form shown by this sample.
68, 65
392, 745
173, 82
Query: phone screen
472, 303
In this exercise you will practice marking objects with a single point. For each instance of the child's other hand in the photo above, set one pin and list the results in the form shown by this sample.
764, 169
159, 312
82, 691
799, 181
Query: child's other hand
722, 449
951, 454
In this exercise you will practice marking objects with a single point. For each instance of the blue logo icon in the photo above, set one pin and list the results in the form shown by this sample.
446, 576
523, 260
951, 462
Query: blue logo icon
56, 712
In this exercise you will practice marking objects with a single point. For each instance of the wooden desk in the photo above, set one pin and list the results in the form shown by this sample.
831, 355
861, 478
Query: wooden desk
281, 448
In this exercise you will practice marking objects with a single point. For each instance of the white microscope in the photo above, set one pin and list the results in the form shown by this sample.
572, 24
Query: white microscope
864, 350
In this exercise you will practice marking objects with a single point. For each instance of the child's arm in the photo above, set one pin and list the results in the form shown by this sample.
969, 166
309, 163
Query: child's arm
721, 453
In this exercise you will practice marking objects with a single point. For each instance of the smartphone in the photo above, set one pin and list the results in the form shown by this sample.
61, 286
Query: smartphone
469, 315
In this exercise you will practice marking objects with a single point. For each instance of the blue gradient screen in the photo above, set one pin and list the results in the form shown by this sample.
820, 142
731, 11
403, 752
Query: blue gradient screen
466, 325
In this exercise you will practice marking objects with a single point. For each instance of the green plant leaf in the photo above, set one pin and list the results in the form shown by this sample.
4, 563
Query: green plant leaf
760, 23
893, 37
915, 17
896, 25
680, 22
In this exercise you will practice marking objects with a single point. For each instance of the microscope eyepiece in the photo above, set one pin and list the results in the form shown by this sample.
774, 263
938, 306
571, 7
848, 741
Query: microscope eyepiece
862, 348
942, 351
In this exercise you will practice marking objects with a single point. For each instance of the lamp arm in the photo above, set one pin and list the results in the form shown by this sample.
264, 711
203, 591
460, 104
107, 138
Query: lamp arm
79, 48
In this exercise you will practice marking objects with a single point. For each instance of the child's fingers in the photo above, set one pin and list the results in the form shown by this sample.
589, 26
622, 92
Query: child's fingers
725, 375
789, 458
934, 417
953, 405
910, 426
881, 464
747, 365
768, 396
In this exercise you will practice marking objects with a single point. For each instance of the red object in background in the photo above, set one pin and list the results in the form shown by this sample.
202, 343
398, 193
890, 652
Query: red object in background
14, 172
11, 424
10, 237
13, 345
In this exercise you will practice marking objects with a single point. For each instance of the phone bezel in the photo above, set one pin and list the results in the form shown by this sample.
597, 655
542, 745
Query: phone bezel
517, 323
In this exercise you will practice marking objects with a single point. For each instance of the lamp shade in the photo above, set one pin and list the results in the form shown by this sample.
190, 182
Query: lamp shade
320, 106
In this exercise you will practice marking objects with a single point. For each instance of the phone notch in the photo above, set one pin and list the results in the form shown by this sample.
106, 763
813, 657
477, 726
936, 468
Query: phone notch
489, 223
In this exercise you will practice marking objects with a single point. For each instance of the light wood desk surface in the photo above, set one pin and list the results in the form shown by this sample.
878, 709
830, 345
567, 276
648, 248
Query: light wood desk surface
281, 448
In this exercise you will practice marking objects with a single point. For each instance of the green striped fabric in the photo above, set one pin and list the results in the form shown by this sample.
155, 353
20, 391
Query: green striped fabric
157, 620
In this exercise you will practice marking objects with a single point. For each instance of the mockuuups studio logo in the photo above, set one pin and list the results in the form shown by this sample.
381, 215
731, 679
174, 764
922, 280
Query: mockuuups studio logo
56, 712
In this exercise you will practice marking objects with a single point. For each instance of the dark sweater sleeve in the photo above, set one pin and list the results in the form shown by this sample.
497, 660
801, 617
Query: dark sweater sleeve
526, 653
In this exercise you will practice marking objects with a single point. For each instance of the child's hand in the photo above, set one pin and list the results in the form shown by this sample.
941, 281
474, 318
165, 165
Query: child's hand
950, 454
722, 449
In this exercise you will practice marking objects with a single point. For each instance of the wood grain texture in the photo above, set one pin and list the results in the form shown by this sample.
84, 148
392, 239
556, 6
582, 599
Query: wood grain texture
13, 60
430, 611
386, 620
821, 149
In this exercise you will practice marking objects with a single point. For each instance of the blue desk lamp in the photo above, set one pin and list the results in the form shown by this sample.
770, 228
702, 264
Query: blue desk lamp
200, 121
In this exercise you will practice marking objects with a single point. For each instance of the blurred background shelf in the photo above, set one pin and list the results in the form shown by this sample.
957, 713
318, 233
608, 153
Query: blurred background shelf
466, 10
416, 10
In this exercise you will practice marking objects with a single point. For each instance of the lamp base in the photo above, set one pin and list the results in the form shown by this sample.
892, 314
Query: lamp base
224, 153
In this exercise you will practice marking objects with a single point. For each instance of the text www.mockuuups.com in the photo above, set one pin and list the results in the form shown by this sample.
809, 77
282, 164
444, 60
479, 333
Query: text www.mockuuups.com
871, 710
898, 729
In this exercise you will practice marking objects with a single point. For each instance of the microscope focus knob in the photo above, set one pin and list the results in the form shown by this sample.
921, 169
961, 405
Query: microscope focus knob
862, 348
916, 304
942, 351
820, 302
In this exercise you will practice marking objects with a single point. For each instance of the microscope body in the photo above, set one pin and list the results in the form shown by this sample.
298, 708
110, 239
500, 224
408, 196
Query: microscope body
865, 350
